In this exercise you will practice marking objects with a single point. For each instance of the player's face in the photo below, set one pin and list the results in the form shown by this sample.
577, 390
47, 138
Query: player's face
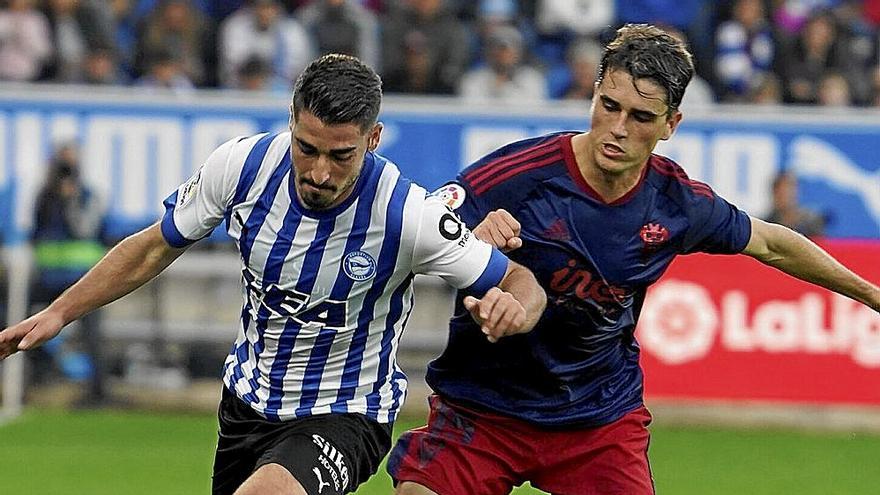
327, 159
626, 123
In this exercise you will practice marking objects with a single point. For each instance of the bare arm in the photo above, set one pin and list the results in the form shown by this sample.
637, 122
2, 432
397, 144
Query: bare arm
515, 306
794, 254
129, 265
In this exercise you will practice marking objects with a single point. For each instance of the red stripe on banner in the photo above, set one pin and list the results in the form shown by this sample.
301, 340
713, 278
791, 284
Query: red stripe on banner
730, 328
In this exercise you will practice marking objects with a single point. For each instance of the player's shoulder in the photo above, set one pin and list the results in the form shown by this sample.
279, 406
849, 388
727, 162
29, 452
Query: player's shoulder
514, 162
671, 180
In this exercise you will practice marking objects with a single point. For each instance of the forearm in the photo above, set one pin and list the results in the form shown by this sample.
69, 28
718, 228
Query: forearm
522, 285
129, 265
799, 257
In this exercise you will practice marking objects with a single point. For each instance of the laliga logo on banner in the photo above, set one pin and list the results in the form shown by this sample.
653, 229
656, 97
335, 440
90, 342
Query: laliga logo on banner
680, 322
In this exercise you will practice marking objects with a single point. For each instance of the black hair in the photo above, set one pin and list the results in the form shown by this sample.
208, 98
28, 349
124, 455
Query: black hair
648, 52
339, 89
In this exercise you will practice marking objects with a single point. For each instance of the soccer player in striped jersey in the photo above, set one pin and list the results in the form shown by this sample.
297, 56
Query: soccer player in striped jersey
598, 218
330, 236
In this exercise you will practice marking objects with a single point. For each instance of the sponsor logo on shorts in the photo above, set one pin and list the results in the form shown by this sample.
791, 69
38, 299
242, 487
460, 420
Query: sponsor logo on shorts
321, 482
452, 195
359, 266
333, 461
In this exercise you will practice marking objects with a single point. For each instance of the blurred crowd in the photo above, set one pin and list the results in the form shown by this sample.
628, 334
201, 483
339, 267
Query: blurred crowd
757, 51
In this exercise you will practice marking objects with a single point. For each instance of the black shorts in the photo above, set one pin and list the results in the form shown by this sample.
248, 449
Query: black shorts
330, 454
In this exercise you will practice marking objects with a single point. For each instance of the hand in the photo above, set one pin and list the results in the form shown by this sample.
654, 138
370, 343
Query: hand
499, 229
30, 333
498, 313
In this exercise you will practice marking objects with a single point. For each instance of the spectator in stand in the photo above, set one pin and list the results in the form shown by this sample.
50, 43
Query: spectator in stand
819, 48
585, 18
580, 73
834, 91
790, 16
504, 78
67, 243
342, 26
768, 91
255, 75
177, 26
101, 68
262, 29
788, 211
24, 41
77, 26
166, 74
437, 36
744, 50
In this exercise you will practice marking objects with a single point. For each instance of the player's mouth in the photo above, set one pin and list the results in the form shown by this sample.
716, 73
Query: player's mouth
612, 151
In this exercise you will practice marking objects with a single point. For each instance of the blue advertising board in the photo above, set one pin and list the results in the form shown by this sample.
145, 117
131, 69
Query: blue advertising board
136, 150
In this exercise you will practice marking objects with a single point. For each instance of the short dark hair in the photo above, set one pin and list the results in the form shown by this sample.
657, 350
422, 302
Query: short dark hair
648, 52
339, 89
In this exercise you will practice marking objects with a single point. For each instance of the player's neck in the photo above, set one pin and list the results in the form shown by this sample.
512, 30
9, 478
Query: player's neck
610, 185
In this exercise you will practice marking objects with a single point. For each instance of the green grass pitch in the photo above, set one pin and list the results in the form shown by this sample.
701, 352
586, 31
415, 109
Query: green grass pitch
94, 453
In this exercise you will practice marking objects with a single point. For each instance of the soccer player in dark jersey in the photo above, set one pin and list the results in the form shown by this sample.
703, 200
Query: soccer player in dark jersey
598, 218
330, 236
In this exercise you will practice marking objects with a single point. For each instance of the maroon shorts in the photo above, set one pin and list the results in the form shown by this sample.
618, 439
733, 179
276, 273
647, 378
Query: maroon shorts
466, 452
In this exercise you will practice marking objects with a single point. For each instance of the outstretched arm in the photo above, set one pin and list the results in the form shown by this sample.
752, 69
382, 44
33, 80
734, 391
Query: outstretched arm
794, 254
129, 265
515, 306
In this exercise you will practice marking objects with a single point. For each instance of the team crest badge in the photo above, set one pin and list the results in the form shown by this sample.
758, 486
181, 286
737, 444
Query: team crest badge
452, 195
653, 236
359, 266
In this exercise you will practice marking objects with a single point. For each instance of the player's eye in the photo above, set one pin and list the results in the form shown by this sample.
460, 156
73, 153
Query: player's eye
643, 117
343, 157
307, 150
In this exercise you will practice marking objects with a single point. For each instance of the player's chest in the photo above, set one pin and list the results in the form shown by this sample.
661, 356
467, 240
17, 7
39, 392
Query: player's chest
571, 238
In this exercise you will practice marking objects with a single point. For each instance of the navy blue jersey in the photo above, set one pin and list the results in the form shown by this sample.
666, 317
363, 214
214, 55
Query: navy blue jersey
595, 260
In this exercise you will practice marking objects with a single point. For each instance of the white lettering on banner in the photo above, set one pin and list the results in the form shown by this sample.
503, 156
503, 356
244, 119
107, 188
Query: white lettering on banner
63, 128
4, 162
150, 152
679, 323
811, 157
209, 133
752, 157
477, 141
689, 150
29, 159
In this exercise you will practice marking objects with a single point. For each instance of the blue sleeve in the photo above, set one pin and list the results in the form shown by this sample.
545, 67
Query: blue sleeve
169, 230
492, 275
717, 227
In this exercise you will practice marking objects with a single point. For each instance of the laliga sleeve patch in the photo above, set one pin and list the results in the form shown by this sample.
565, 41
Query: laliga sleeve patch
188, 190
451, 194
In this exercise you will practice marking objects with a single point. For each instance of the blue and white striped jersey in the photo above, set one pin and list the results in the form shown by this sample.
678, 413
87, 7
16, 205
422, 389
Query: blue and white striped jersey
326, 293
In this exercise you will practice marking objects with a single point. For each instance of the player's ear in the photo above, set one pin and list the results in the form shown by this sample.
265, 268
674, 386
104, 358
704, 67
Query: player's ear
671, 125
374, 137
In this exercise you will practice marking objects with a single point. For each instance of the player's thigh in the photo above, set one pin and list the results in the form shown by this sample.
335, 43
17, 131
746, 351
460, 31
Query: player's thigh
457, 453
608, 460
331, 454
271, 479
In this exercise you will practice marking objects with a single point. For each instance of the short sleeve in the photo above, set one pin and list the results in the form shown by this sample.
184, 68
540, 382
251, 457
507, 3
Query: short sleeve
446, 247
717, 227
200, 203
